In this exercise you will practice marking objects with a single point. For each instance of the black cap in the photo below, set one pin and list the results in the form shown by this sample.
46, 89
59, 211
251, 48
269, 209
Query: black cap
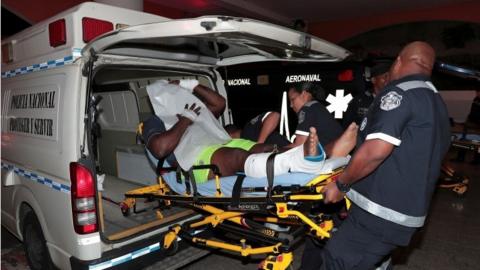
380, 68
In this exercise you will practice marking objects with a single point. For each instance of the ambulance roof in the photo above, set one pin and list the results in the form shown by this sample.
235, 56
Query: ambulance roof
32, 46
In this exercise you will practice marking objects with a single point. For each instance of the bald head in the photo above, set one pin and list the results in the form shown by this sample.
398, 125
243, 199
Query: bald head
417, 57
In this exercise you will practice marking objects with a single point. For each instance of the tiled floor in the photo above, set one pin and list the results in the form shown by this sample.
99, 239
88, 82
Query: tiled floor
450, 239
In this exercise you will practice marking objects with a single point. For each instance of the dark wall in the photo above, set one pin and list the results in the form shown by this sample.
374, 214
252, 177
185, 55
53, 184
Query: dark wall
268, 82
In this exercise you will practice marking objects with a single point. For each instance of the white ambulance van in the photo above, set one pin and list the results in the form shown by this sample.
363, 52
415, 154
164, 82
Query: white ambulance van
73, 93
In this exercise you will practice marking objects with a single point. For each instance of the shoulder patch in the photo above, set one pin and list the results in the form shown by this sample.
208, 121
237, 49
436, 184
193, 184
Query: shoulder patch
301, 117
390, 101
255, 120
363, 124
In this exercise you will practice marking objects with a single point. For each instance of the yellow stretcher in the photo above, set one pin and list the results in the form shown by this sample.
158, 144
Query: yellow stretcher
247, 220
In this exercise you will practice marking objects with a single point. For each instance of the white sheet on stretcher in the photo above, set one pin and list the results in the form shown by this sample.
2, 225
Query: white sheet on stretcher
168, 100
209, 188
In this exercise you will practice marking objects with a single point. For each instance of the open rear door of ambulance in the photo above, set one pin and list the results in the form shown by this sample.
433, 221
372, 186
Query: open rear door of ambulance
215, 41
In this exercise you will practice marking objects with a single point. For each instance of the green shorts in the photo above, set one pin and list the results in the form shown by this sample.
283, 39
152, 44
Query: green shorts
205, 157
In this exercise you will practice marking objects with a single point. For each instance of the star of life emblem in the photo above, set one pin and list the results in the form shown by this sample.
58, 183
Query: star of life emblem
301, 117
363, 124
390, 101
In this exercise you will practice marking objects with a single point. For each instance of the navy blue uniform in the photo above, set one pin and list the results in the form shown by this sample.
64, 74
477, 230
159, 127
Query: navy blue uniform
314, 114
251, 131
358, 108
391, 202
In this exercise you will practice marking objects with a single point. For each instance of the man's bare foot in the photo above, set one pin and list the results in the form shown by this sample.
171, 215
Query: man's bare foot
345, 143
310, 147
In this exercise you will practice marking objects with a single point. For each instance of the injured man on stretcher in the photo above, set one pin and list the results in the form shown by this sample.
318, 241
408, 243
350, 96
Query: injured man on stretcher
185, 132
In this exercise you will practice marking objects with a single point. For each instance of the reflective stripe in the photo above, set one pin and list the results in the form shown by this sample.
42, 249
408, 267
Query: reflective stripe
36, 178
69, 59
416, 84
265, 116
301, 132
384, 212
384, 137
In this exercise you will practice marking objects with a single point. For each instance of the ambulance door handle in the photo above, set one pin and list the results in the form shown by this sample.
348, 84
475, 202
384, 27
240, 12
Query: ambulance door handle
208, 25
8, 178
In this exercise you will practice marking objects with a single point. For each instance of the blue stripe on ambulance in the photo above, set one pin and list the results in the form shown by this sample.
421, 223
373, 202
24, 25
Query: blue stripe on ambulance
37, 178
45, 65
131, 256
127, 257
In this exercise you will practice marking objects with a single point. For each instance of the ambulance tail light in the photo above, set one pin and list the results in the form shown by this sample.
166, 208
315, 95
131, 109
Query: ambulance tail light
57, 33
83, 199
93, 28
345, 75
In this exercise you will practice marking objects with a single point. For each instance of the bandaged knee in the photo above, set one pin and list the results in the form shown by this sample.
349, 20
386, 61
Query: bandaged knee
292, 160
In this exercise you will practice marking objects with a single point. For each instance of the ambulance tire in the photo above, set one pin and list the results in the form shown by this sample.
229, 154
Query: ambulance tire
34, 244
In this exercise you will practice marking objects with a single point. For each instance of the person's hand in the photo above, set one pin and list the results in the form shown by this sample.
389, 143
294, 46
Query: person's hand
331, 194
190, 112
177, 82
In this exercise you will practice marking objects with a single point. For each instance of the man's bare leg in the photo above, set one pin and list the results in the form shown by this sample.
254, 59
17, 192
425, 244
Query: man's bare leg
229, 160
344, 144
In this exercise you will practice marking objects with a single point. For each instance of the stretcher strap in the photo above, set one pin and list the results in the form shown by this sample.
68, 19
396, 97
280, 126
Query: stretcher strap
189, 181
160, 166
193, 183
237, 190
270, 174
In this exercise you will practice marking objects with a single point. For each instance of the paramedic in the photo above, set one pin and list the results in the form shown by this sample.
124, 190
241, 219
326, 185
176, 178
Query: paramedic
260, 129
358, 108
304, 100
231, 157
391, 177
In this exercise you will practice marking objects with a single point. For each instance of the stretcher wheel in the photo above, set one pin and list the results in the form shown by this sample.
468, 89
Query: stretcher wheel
172, 249
125, 209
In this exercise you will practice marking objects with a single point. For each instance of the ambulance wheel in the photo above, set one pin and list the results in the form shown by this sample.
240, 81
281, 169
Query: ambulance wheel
34, 244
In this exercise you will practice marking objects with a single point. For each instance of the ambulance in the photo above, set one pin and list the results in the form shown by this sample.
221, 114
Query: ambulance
73, 93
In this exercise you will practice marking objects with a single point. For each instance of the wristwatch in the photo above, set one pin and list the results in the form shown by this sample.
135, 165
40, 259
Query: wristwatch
342, 187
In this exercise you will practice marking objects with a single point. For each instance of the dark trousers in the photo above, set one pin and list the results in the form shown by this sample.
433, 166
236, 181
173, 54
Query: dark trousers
358, 244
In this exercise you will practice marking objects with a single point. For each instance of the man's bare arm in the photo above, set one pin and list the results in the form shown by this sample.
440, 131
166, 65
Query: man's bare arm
161, 145
268, 126
367, 158
213, 100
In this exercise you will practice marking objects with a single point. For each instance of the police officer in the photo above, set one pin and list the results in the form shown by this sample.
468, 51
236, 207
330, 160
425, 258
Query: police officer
392, 175
358, 108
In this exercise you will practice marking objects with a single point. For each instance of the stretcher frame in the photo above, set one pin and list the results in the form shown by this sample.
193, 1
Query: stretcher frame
283, 205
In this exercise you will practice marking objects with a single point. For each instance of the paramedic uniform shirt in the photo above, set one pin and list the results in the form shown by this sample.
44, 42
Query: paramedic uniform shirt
314, 114
358, 108
415, 120
251, 131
